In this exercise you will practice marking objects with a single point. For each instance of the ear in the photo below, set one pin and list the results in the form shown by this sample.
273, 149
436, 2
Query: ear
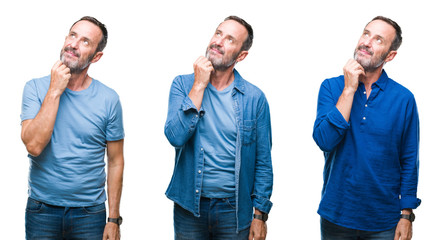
97, 57
242, 56
390, 56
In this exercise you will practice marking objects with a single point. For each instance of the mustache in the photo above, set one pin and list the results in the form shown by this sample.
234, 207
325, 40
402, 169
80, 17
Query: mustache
362, 47
214, 46
70, 49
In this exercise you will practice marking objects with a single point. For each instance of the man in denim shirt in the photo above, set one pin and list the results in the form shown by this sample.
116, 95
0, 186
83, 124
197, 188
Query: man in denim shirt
220, 127
367, 126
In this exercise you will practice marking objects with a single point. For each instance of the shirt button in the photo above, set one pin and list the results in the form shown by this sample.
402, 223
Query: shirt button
197, 191
364, 118
364, 92
199, 171
202, 149
365, 105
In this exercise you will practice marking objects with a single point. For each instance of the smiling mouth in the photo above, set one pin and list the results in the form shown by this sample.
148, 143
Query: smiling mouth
216, 49
365, 51
70, 52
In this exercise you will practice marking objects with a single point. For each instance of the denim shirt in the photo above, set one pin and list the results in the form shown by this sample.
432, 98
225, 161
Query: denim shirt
371, 162
253, 167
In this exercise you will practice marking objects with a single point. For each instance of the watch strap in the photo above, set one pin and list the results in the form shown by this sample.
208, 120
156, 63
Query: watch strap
262, 217
410, 217
117, 221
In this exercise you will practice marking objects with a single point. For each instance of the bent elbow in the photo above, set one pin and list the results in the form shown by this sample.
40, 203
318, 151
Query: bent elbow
175, 140
34, 150
321, 143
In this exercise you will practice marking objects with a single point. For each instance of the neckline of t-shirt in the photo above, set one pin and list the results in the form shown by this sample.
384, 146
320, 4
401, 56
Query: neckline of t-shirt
84, 91
226, 90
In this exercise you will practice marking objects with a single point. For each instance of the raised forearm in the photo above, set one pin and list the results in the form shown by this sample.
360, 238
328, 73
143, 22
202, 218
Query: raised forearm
344, 104
36, 133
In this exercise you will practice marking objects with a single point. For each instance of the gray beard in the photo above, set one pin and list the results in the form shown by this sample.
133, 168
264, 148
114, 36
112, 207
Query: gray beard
370, 65
218, 65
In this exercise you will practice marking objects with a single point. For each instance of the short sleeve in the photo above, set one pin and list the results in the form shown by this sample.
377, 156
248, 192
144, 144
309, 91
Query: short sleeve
30, 102
115, 129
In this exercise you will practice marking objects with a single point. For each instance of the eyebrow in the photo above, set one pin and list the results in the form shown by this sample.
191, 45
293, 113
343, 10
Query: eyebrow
230, 36
85, 38
379, 36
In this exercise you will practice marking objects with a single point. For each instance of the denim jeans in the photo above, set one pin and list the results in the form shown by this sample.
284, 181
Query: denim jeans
331, 231
45, 221
217, 221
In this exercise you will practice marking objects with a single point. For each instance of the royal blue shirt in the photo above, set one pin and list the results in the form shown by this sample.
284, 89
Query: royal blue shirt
371, 162
253, 169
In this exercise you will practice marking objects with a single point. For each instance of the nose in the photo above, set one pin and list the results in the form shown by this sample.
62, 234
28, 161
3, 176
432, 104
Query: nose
219, 41
367, 42
74, 44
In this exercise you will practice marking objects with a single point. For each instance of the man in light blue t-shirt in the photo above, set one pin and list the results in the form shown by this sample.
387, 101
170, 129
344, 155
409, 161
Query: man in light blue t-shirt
69, 120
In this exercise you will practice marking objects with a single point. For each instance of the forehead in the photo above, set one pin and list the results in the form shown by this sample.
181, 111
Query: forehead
381, 28
233, 28
87, 29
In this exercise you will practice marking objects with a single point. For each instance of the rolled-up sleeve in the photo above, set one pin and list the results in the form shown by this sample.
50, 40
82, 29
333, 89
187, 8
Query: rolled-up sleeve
330, 125
182, 116
409, 158
263, 181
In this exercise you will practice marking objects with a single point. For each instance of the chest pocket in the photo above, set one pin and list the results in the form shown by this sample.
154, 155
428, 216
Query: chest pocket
249, 131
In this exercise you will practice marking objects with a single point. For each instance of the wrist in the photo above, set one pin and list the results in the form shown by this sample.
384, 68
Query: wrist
54, 93
407, 211
349, 91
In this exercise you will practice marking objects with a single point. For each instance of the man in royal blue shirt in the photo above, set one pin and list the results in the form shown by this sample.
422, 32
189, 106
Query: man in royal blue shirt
367, 126
220, 127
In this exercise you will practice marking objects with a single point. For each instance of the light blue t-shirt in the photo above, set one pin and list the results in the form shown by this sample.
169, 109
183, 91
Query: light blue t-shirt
70, 171
218, 137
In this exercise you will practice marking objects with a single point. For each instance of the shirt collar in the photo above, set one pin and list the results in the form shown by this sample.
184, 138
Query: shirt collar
239, 82
382, 81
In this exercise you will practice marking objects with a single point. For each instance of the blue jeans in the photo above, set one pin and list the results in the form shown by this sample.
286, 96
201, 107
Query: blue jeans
45, 221
331, 231
217, 221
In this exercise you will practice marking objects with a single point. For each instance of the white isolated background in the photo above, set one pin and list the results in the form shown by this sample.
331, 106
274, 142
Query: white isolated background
297, 45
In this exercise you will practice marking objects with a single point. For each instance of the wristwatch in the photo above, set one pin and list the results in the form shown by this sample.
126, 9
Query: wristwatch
118, 220
410, 217
263, 216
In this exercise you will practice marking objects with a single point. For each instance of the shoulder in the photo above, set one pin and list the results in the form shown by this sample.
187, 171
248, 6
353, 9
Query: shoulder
184, 79
244, 86
399, 89
334, 81
40, 82
37, 86
252, 90
104, 89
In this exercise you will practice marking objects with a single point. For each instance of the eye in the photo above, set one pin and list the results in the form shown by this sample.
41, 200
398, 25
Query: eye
86, 42
72, 36
379, 41
230, 40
